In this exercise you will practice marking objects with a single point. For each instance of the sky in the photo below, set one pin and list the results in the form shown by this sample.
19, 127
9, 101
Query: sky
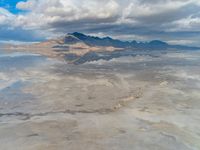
173, 21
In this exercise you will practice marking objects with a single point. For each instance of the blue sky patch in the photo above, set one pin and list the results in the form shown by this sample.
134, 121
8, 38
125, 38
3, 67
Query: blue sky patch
10, 5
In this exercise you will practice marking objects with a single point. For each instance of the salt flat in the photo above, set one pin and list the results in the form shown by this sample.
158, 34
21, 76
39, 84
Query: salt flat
144, 102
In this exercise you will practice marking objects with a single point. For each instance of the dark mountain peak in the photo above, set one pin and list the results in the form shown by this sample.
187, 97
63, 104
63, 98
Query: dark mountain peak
78, 35
107, 38
157, 42
97, 41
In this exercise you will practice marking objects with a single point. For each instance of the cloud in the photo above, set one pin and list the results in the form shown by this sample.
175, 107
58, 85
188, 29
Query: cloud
29, 5
140, 19
189, 23
138, 9
64, 11
5, 16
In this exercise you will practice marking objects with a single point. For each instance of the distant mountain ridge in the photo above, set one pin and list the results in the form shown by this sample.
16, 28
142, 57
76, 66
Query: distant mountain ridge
107, 41
78, 48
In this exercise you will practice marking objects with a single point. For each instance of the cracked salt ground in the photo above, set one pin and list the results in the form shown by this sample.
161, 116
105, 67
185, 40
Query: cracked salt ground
119, 104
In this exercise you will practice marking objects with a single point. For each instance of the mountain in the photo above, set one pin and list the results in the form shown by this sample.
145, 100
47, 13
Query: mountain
79, 48
107, 41
96, 41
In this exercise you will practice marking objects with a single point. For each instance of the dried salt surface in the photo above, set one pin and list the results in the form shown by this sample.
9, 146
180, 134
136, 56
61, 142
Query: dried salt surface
146, 104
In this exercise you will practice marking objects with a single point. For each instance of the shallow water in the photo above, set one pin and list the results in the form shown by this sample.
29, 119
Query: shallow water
14, 68
149, 101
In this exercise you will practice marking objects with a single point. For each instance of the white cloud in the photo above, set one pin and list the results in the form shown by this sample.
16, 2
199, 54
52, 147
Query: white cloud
29, 5
5, 16
128, 18
45, 12
141, 9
